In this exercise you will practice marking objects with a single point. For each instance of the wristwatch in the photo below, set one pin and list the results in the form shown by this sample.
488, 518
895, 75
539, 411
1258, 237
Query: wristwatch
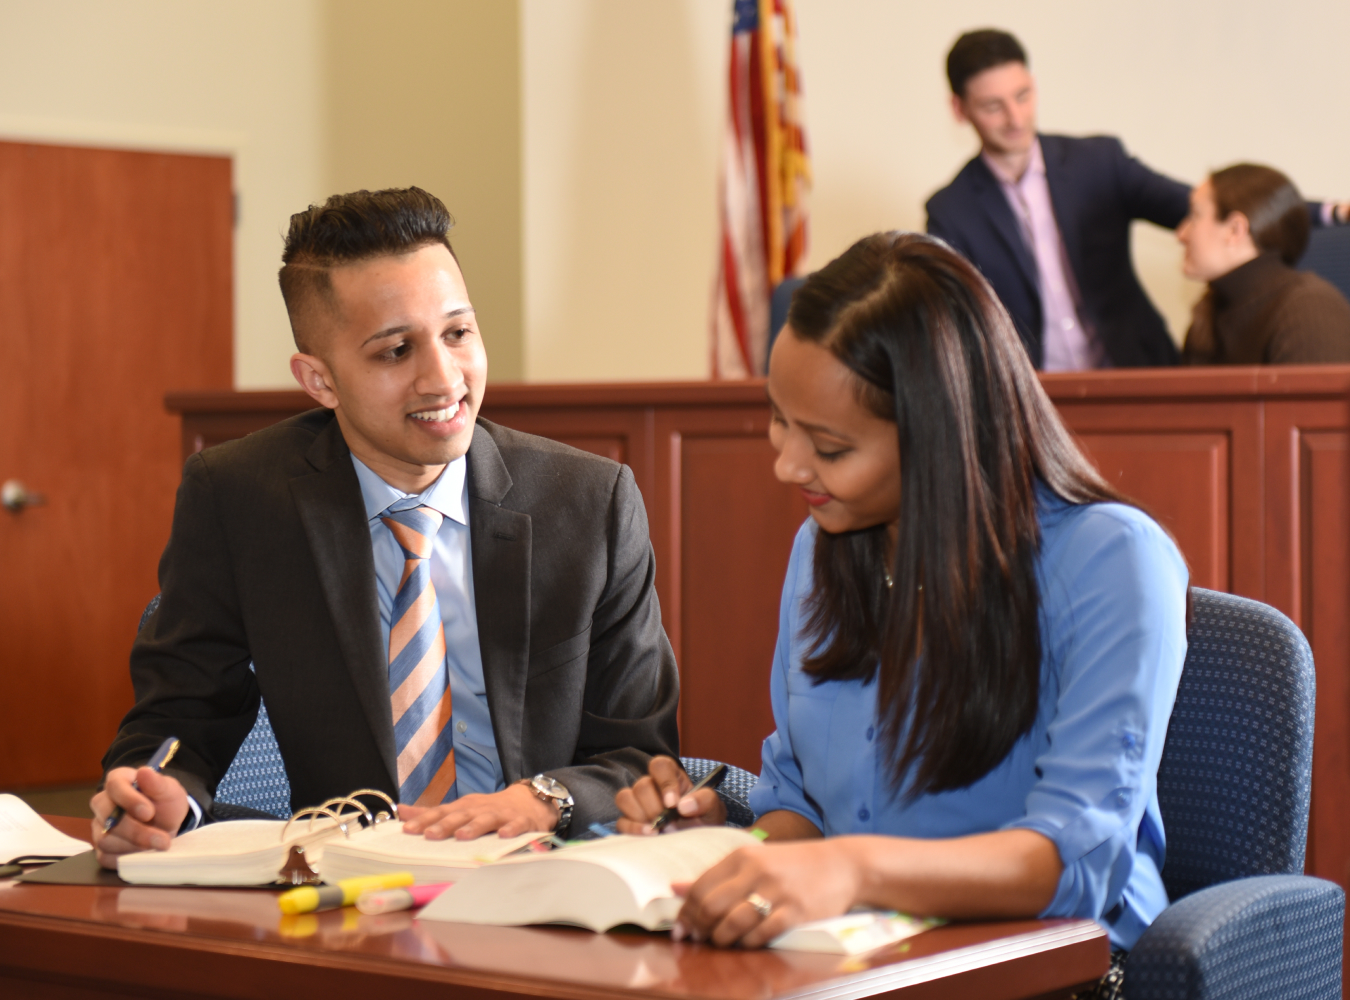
555, 793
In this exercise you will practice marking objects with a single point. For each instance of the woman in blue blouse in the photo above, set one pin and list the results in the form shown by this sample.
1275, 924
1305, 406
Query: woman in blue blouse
979, 643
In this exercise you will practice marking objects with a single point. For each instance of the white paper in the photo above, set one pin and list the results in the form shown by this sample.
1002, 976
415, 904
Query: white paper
24, 833
854, 933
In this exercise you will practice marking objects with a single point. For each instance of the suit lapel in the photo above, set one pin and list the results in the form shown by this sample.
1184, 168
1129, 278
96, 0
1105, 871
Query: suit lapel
333, 515
994, 203
500, 542
1060, 182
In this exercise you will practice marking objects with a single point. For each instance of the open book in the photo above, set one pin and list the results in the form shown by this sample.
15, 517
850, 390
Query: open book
25, 834
246, 852
598, 884
386, 848
237, 852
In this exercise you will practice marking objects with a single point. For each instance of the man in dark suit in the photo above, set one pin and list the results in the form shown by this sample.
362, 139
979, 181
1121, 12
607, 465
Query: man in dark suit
458, 614
1047, 218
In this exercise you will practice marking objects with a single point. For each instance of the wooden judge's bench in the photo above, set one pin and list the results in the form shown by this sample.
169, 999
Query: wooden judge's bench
1248, 468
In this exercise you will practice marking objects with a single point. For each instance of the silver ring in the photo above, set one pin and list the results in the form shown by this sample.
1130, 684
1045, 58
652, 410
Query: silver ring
762, 906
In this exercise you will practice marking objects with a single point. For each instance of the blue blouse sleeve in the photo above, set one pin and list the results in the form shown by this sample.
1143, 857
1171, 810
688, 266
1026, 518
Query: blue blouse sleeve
780, 784
1113, 597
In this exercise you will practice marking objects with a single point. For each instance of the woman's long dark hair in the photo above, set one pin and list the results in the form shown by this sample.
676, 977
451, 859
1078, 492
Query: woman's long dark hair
956, 642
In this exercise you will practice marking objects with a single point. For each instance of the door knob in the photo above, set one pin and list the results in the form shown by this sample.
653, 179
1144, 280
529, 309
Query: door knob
14, 496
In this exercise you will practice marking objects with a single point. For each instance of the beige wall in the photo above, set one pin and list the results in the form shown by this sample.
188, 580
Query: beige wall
310, 97
576, 141
240, 78
622, 116
427, 92
624, 104
1189, 88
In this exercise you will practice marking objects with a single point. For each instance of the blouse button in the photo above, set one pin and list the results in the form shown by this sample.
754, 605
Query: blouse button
864, 815
461, 727
870, 731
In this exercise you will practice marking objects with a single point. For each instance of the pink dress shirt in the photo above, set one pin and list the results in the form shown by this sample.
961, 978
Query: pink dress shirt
1069, 345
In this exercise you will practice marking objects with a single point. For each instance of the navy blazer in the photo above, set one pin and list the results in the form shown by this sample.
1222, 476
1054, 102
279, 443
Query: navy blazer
1097, 190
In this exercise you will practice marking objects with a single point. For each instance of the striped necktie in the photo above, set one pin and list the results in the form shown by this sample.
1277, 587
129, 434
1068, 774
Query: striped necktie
419, 687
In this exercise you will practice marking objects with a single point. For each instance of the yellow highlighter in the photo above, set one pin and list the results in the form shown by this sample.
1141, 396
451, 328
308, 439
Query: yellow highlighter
309, 898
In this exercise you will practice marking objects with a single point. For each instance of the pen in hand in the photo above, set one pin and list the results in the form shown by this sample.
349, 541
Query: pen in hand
157, 763
710, 780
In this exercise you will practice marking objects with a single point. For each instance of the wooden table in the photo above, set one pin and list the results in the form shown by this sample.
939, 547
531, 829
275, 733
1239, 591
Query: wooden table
82, 942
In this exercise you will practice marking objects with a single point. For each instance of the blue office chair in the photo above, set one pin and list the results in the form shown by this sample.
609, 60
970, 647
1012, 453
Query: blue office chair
256, 784
1328, 255
1233, 786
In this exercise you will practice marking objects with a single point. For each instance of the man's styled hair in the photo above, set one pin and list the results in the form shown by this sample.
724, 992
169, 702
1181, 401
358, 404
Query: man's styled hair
1275, 211
347, 229
977, 51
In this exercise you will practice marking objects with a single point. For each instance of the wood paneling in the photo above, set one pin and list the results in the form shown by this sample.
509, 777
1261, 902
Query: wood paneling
1187, 477
115, 285
1248, 467
733, 531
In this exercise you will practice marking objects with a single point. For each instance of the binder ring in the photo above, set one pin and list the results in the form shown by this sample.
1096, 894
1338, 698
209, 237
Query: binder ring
314, 812
393, 806
361, 810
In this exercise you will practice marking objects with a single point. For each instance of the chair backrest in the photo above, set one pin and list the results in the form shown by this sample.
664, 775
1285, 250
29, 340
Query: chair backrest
734, 789
1236, 772
256, 778
779, 303
1328, 255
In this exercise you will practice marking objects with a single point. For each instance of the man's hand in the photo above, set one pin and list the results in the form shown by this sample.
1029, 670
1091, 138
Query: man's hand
664, 786
153, 814
1340, 213
511, 812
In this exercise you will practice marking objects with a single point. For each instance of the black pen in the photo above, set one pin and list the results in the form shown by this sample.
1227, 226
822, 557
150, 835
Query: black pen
710, 780
157, 763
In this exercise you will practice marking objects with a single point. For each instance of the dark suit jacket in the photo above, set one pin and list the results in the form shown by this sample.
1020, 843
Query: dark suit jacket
270, 561
1097, 189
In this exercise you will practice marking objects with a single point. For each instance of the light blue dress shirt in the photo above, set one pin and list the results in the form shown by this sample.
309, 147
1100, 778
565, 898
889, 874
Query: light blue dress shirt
478, 768
1113, 639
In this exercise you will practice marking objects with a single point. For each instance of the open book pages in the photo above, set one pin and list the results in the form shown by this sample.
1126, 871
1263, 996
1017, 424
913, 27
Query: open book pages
386, 848
599, 884
25, 834
853, 933
237, 852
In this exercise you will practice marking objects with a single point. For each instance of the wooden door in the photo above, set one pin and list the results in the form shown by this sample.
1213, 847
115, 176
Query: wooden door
115, 287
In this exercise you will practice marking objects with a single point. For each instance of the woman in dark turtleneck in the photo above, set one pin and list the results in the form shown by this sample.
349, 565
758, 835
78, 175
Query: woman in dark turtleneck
1248, 226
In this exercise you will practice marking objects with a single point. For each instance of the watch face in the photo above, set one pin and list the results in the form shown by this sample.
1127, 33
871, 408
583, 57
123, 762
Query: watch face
549, 786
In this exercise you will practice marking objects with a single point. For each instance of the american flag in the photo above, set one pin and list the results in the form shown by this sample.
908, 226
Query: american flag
766, 177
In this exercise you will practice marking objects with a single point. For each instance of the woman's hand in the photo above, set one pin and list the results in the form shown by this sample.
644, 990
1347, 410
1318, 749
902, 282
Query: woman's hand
798, 881
666, 785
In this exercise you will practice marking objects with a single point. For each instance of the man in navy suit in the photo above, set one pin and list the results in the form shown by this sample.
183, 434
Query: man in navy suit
1047, 218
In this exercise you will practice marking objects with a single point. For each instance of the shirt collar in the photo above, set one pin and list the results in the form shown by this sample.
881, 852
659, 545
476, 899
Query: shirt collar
446, 494
1035, 166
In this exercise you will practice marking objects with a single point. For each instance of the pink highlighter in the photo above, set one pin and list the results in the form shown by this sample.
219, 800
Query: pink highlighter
392, 900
